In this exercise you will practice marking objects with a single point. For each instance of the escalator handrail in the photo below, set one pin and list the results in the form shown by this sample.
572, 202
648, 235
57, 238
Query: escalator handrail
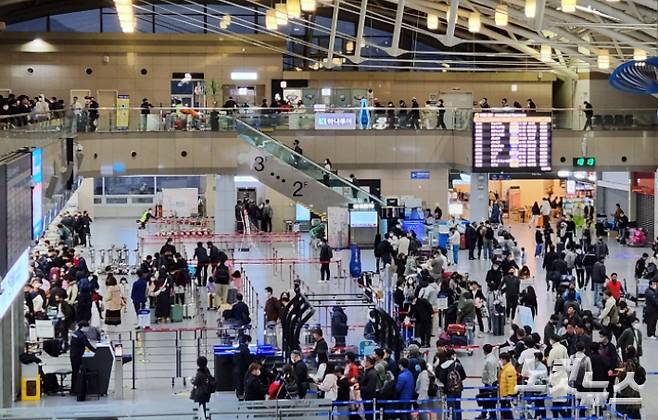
372, 198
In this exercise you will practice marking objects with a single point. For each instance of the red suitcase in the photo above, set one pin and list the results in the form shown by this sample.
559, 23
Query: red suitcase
456, 329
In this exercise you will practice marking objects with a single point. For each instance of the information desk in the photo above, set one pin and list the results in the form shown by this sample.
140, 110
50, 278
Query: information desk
101, 362
224, 366
511, 141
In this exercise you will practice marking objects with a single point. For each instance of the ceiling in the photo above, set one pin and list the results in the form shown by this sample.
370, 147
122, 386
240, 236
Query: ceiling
597, 27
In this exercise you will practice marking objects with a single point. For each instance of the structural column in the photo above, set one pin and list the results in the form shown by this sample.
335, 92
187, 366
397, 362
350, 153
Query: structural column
479, 201
225, 200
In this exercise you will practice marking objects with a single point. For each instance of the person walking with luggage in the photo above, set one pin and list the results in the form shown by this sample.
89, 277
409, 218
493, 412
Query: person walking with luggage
202, 262
79, 343
326, 254
204, 385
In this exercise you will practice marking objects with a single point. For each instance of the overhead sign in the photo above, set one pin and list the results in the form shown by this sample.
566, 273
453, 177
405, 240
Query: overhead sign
500, 177
420, 174
584, 162
12, 285
331, 121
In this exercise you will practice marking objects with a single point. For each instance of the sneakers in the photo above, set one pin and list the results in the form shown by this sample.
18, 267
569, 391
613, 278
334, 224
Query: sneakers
652, 337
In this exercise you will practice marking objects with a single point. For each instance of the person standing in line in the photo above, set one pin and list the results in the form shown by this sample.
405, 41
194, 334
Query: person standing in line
202, 261
589, 113
268, 212
301, 373
651, 308
79, 343
146, 110
455, 243
138, 293
326, 254
222, 279
506, 386
442, 113
489, 380
254, 388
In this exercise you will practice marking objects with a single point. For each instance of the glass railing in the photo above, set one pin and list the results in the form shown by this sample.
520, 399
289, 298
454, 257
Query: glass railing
256, 138
67, 123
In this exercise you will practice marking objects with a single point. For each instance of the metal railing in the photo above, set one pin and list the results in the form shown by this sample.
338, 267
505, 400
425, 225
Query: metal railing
426, 118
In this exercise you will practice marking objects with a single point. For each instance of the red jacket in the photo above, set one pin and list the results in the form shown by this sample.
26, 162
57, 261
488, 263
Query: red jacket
614, 288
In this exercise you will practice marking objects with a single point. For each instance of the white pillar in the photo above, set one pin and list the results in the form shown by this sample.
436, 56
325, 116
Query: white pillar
85, 196
479, 201
225, 199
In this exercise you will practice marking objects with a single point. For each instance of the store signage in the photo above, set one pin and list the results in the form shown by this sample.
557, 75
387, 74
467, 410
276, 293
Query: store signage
584, 162
420, 174
330, 121
12, 285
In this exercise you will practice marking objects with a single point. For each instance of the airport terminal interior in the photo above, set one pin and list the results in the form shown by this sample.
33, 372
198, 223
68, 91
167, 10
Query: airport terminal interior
328, 209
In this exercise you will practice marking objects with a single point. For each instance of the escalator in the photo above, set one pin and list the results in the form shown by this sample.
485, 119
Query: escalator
293, 175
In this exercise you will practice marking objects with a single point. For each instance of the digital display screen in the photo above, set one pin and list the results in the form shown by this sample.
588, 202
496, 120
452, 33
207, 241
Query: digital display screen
14, 281
363, 219
302, 214
37, 193
511, 142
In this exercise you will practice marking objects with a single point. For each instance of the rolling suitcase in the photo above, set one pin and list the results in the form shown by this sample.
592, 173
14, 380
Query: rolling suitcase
231, 296
176, 313
189, 311
456, 329
270, 337
498, 323
144, 318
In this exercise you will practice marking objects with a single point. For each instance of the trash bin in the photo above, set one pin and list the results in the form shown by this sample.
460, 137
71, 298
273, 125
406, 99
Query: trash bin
30, 382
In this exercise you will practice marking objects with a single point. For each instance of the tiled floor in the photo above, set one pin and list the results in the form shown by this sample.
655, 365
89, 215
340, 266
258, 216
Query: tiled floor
155, 352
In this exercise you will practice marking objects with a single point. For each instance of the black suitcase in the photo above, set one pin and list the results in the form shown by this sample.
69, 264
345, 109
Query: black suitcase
498, 323
450, 315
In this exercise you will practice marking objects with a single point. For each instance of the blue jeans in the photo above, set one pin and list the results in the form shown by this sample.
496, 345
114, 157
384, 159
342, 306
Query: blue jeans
455, 254
488, 249
455, 404
538, 249
598, 288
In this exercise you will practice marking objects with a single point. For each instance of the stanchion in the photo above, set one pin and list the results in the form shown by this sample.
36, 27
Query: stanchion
133, 364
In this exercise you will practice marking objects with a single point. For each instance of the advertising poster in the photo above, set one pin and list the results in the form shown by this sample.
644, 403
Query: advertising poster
338, 227
123, 112
37, 193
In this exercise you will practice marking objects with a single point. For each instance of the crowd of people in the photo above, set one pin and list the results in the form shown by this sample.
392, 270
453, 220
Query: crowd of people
22, 110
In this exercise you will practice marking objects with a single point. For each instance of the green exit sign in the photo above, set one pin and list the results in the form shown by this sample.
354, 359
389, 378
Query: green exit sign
584, 162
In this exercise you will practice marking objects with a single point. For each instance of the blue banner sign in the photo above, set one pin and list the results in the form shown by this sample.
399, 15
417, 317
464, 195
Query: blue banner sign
420, 174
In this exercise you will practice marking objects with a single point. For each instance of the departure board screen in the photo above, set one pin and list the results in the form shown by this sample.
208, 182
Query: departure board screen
511, 142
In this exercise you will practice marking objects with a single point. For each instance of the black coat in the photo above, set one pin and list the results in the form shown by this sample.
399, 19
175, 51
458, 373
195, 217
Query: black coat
338, 323
422, 311
254, 389
368, 384
301, 375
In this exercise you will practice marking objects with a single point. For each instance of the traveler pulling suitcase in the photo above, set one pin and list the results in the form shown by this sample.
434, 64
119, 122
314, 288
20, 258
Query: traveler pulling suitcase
176, 313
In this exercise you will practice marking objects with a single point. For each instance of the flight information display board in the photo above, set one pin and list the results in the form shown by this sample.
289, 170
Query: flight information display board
511, 142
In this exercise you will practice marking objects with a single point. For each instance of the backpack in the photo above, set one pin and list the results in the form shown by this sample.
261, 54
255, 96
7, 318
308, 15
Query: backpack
387, 391
221, 274
581, 371
454, 381
433, 388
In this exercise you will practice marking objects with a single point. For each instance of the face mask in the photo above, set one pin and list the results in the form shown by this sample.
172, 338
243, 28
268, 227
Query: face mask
417, 368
